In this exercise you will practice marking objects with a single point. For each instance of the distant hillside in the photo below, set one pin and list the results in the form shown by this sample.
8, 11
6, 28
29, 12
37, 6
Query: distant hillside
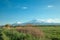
36, 22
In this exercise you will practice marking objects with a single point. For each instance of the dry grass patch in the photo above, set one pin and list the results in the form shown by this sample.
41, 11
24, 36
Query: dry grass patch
31, 30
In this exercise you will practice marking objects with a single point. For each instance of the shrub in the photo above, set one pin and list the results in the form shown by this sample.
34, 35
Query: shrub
31, 30
15, 35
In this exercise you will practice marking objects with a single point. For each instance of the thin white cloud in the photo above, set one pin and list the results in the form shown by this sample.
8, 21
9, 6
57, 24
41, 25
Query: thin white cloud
19, 22
24, 7
50, 6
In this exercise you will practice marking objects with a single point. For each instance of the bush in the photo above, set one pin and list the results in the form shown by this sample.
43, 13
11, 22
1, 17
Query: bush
31, 30
8, 34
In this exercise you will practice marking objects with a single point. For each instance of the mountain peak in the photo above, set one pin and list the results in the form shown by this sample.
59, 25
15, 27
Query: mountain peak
35, 20
40, 22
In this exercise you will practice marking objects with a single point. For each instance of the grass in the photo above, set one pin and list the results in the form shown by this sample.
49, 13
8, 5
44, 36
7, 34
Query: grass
49, 33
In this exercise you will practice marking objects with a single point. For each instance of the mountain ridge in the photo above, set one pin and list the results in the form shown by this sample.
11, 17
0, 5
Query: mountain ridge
36, 22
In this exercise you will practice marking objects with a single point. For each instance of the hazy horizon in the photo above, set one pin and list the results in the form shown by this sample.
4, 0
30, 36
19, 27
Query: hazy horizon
12, 11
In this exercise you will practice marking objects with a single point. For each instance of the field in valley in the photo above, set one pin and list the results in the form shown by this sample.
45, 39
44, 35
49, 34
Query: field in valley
48, 33
52, 33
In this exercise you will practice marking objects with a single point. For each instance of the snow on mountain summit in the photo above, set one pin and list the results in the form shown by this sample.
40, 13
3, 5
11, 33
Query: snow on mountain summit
40, 22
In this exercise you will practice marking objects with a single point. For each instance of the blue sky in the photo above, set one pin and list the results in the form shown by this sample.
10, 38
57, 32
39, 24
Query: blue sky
12, 11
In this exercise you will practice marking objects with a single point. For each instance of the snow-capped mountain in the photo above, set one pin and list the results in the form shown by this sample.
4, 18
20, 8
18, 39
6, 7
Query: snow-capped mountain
37, 22
16, 24
42, 22
34, 22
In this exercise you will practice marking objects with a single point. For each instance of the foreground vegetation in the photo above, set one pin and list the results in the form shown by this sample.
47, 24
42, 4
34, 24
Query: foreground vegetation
51, 33
48, 33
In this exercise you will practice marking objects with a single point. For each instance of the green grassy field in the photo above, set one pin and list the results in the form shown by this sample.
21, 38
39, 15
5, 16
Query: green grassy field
50, 33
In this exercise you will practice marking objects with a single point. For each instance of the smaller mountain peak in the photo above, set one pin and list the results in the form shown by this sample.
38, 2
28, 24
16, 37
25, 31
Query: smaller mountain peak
34, 20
